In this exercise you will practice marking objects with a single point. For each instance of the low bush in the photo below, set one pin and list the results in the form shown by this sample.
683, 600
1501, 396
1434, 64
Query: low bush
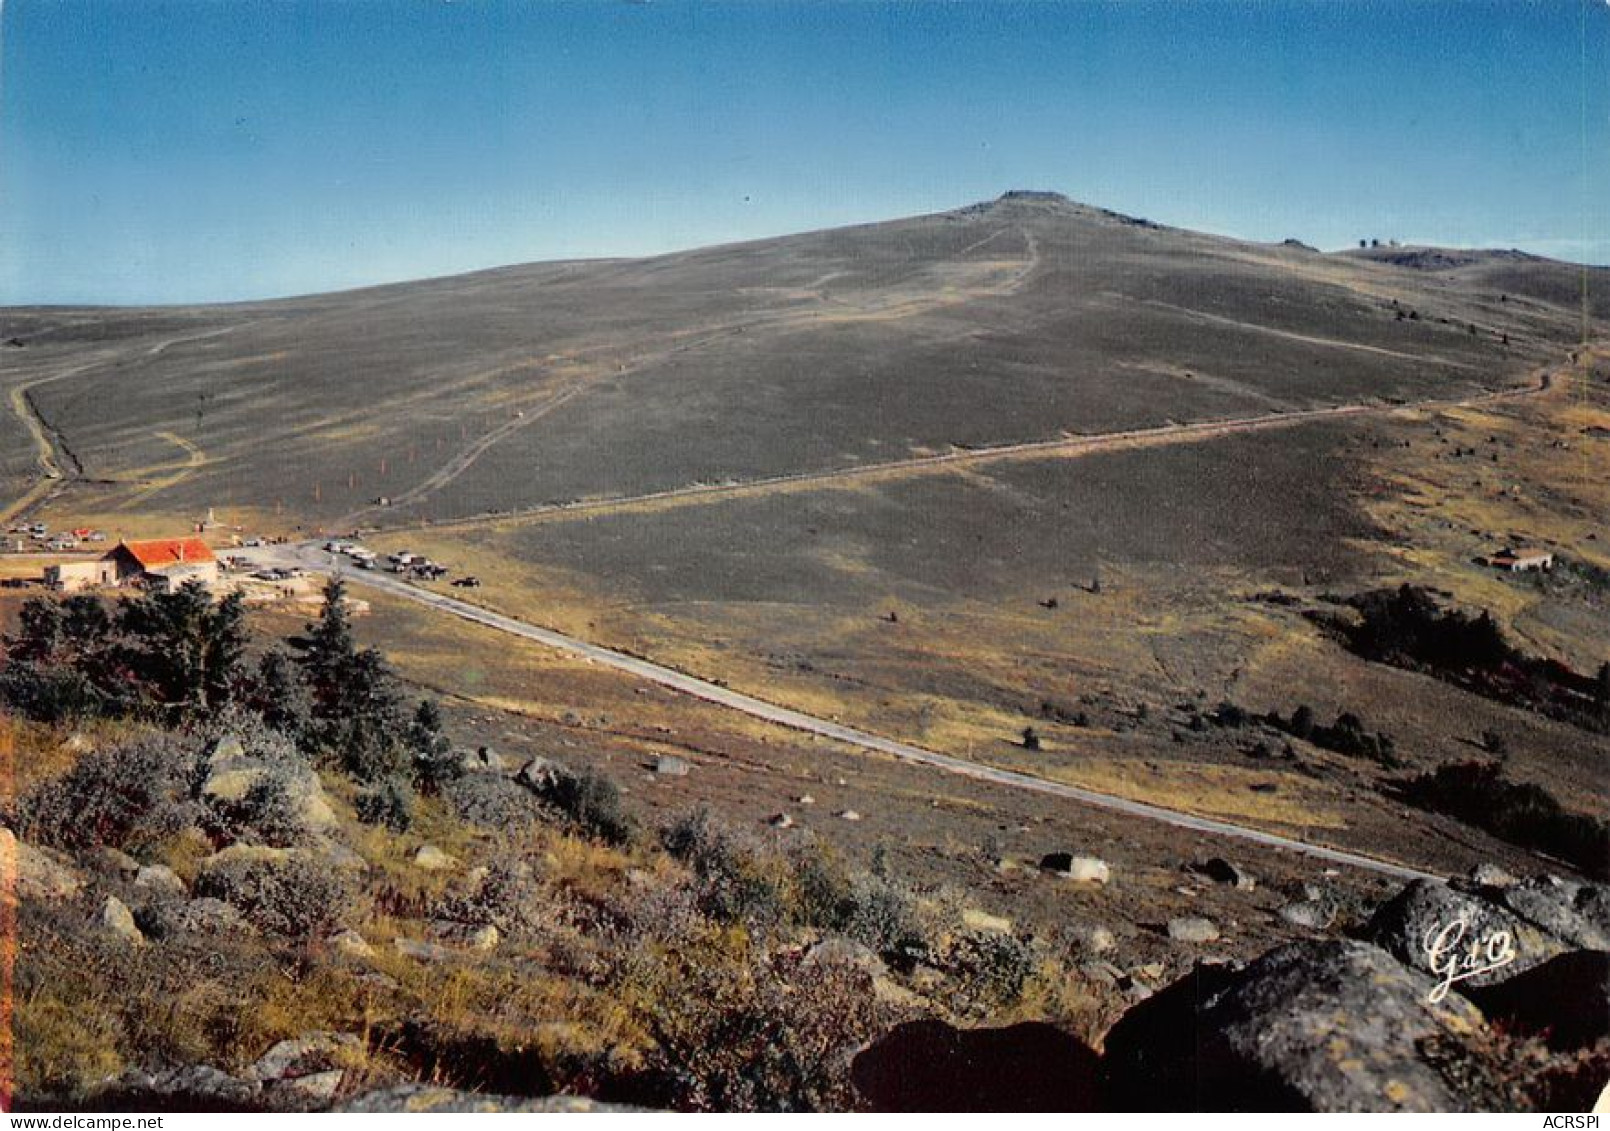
492, 801
1478, 794
737, 883
389, 804
279, 892
129, 797
993, 968
591, 803
1347, 735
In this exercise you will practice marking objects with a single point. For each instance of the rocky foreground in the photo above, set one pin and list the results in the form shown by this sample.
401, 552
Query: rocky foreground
1322, 1024
274, 952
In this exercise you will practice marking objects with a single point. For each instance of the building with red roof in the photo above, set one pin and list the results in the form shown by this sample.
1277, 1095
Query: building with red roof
164, 563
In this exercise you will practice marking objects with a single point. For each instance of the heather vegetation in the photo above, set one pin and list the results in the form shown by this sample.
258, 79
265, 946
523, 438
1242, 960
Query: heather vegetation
1481, 794
1408, 628
300, 847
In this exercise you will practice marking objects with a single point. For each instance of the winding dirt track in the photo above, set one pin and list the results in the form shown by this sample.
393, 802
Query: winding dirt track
883, 311
1064, 448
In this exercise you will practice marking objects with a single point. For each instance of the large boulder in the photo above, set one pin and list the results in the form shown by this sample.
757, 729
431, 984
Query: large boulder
231, 776
929, 1065
1566, 1000
1557, 907
118, 921
40, 876
1408, 926
1324, 1025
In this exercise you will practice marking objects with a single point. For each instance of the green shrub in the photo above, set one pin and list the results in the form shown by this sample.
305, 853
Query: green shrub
1478, 794
390, 804
128, 797
278, 892
592, 803
737, 883
993, 967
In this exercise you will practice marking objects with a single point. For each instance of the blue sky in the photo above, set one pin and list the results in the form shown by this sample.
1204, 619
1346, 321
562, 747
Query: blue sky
207, 150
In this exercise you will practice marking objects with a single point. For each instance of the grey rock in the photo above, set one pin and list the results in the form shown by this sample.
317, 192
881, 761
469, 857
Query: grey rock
540, 774
1552, 906
432, 859
114, 862
1080, 869
423, 951
159, 879
1407, 925
1311, 913
224, 749
465, 936
1320, 1025
839, 951
221, 749
484, 760
118, 921
316, 1089
338, 855
1489, 875
297, 1056
1098, 940
431, 1098
42, 876
1593, 904
204, 1082
230, 775
351, 944
1193, 929
670, 766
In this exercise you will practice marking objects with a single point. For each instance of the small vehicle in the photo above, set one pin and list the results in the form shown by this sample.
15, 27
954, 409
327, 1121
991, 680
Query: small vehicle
468, 583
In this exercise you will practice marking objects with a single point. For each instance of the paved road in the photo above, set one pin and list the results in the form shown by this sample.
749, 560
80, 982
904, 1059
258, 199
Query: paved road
311, 557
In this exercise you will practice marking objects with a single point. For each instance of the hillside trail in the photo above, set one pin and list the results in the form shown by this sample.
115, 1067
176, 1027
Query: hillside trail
1067, 447
55, 460
311, 556
57, 463
893, 308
